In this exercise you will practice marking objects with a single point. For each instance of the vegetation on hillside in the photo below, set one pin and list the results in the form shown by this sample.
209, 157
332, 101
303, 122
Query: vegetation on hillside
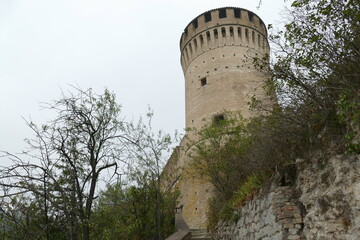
315, 74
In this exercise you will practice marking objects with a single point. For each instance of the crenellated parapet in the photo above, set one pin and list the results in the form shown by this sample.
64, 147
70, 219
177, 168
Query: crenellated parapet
221, 27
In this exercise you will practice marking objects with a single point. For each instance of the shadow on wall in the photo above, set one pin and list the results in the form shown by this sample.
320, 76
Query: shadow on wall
183, 231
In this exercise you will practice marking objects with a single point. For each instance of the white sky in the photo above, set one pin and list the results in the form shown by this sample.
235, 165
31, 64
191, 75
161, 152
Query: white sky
131, 47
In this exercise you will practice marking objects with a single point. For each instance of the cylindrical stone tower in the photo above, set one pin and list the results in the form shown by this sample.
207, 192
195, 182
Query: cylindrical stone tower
217, 52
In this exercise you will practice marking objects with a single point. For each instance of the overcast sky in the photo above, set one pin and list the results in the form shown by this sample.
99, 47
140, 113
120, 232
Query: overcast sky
130, 47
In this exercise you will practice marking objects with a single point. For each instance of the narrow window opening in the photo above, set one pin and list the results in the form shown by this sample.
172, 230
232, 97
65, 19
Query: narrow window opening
195, 23
217, 119
190, 47
203, 82
216, 33
223, 32
201, 39
247, 34
187, 54
208, 36
239, 32
195, 45
207, 16
222, 13
237, 13
253, 36
231, 31
251, 16
259, 41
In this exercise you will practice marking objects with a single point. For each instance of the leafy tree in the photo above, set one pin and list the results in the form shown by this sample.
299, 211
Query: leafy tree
67, 156
315, 69
131, 213
57, 186
218, 151
151, 151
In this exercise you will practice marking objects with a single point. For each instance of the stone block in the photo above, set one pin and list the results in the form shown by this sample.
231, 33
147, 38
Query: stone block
293, 231
294, 237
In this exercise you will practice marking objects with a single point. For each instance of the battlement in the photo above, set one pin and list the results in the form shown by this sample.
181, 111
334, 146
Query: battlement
222, 27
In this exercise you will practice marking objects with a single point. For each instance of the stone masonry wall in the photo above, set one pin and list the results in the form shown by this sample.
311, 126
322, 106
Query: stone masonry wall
330, 188
322, 203
268, 216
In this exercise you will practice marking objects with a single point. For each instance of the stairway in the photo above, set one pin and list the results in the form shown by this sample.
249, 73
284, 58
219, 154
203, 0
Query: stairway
199, 234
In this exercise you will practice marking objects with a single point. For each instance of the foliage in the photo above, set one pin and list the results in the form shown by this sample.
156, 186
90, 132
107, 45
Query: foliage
25, 217
249, 187
67, 156
237, 154
150, 151
218, 151
56, 180
315, 70
131, 213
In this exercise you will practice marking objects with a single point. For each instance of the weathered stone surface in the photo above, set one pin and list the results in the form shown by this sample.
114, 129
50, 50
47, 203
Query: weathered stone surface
257, 220
330, 195
326, 206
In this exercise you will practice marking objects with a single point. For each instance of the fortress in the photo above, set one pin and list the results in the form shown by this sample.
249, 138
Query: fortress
217, 52
314, 198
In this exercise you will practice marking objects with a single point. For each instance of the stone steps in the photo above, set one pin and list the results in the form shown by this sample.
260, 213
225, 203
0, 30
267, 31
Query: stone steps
199, 234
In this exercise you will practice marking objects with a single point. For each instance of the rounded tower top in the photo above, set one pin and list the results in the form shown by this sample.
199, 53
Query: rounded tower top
226, 16
217, 52
221, 16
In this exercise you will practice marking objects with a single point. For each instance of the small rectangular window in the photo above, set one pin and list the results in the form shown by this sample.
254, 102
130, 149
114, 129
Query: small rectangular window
223, 32
237, 13
207, 16
231, 31
201, 39
251, 16
208, 36
203, 82
216, 33
222, 13
195, 23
